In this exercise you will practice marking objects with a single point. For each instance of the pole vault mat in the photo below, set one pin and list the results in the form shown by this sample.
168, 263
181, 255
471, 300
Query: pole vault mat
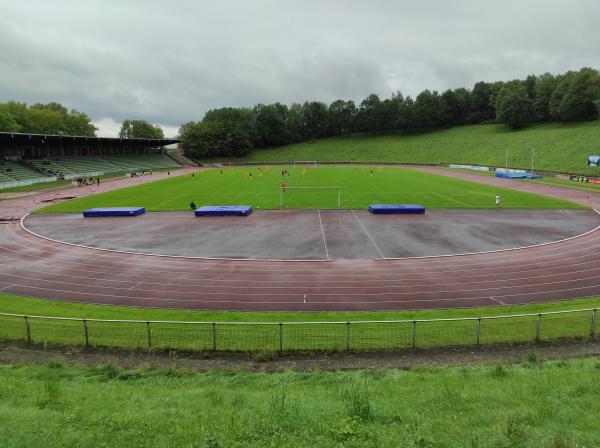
399, 208
518, 176
113, 211
223, 210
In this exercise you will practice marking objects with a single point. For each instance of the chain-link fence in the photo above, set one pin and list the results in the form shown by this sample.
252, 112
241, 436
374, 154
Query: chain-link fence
281, 336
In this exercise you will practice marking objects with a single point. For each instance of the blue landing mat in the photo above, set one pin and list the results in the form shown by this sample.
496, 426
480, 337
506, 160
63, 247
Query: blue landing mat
224, 210
518, 176
113, 211
398, 208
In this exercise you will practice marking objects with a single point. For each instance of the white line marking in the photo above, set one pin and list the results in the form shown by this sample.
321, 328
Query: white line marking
6, 287
136, 285
323, 233
368, 234
498, 301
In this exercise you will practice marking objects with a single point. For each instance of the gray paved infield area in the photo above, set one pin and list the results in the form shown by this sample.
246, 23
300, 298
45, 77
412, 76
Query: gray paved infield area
317, 235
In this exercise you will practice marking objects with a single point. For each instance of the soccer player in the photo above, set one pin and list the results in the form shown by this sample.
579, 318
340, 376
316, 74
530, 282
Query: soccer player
497, 200
192, 205
283, 186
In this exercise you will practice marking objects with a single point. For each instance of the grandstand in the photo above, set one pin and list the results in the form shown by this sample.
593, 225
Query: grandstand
33, 158
72, 165
12, 171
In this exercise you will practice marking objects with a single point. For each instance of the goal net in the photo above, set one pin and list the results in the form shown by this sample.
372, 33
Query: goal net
312, 163
310, 197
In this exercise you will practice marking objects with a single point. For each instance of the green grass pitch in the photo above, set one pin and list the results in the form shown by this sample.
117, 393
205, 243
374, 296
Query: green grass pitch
358, 188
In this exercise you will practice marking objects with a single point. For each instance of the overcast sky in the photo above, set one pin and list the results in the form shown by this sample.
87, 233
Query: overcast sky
170, 61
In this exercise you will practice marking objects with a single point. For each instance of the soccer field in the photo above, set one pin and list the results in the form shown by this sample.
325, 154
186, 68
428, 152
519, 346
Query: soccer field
351, 187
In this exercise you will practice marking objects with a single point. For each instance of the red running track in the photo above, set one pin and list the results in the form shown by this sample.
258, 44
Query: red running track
37, 267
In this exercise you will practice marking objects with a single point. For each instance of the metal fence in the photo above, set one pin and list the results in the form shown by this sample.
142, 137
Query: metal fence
284, 336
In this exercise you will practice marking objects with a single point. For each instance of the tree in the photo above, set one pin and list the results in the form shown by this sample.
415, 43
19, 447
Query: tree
78, 123
513, 105
342, 115
369, 114
270, 122
578, 101
427, 110
8, 123
482, 109
293, 123
140, 129
214, 138
314, 120
544, 87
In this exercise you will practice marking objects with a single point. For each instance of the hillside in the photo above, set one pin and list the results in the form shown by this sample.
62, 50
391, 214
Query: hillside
558, 147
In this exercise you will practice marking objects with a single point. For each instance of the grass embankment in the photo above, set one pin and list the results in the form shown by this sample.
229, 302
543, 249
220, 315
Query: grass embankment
289, 337
532, 404
558, 147
13, 304
359, 187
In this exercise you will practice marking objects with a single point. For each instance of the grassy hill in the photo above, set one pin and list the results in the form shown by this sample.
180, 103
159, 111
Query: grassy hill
558, 147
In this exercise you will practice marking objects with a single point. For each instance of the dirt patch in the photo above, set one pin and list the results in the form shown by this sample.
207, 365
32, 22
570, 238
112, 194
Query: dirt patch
16, 352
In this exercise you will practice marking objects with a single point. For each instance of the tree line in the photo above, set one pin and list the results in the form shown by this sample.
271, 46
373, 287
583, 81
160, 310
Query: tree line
51, 118
235, 131
55, 119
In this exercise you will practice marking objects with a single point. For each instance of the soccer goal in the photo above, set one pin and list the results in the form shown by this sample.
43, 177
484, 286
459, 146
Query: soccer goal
312, 163
310, 197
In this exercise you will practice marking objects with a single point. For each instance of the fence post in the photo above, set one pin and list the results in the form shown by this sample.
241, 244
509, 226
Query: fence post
149, 334
27, 329
214, 336
85, 333
414, 334
594, 322
538, 327
347, 335
281, 337
478, 330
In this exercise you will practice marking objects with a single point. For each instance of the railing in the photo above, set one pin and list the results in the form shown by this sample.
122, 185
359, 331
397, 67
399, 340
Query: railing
284, 336
22, 183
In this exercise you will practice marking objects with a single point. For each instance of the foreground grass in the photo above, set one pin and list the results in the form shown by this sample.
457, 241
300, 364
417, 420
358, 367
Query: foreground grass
254, 336
558, 147
359, 187
533, 404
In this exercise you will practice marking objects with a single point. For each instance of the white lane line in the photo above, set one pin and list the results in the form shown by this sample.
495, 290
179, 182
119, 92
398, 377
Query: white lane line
323, 233
6, 287
136, 285
368, 234
498, 301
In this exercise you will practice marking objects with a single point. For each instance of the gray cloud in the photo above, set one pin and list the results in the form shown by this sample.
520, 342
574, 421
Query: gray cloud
169, 62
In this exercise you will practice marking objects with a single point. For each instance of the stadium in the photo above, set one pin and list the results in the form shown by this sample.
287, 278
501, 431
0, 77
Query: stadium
278, 224
317, 244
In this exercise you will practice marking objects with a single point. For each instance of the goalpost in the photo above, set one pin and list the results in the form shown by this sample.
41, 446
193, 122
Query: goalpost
305, 162
310, 197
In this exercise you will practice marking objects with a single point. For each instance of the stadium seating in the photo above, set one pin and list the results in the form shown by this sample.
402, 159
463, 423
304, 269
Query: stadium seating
107, 164
12, 171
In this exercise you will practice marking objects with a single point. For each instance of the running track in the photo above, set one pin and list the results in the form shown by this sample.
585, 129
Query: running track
36, 267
